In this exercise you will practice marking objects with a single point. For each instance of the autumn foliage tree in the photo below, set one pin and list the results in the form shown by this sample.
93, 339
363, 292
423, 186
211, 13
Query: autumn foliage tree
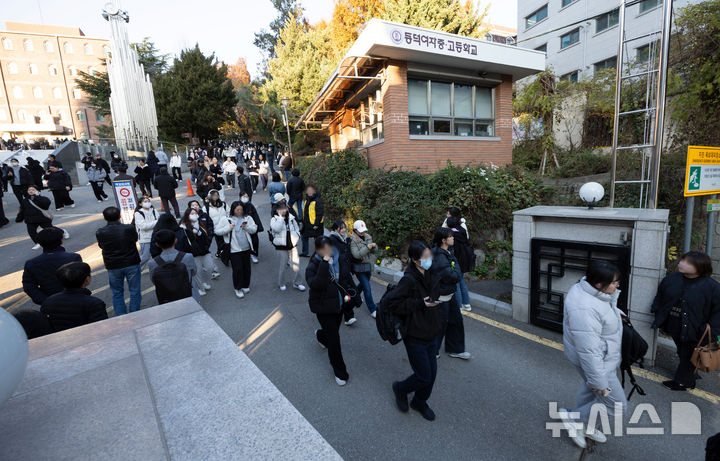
238, 73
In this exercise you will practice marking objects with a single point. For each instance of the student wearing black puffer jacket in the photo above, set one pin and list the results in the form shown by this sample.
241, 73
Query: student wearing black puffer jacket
341, 242
685, 303
447, 269
413, 300
323, 270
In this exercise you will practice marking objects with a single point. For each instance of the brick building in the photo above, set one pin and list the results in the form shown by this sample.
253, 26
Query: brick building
38, 94
416, 98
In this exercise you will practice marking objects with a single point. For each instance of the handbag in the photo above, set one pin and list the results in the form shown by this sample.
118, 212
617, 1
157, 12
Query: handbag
47, 213
360, 268
706, 358
225, 254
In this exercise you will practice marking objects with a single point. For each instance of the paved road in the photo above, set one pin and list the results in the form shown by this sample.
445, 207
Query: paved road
493, 407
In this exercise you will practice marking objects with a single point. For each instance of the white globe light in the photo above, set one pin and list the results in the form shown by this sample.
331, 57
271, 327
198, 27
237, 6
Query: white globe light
13, 354
592, 192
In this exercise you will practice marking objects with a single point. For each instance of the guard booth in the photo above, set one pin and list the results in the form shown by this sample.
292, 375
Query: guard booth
552, 247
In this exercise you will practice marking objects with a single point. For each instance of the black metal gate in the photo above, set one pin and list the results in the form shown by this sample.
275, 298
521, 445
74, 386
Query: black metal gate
556, 265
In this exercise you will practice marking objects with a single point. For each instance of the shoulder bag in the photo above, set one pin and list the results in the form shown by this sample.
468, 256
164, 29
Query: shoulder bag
707, 357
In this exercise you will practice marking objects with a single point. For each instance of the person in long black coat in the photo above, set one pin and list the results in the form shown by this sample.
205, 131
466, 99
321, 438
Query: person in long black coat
152, 162
60, 185
341, 242
166, 185
313, 217
687, 301
37, 172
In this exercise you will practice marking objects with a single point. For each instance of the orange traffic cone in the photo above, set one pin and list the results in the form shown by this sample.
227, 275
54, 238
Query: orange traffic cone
190, 192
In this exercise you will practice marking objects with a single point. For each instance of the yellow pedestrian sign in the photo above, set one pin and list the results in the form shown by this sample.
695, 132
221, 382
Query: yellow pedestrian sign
702, 174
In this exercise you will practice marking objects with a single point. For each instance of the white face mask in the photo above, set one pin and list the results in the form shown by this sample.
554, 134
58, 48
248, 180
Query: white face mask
146, 205
194, 217
244, 200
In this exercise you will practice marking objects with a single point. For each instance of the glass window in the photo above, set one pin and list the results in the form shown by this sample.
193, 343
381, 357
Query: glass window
77, 94
645, 52
73, 71
12, 68
607, 20
37, 92
88, 48
33, 69
7, 43
647, 5
570, 38
99, 117
483, 103
57, 93
67, 46
419, 125
463, 127
48, 46
609, 63
441, 126
28, 45
18, 92
484, 129
565, 3
463, 101
440, 99
53, 69
536, 16
571, 76
417, 97
80, 115
542, 48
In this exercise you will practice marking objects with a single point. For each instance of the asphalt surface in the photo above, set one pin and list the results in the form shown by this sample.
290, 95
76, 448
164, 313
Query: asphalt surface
493, 407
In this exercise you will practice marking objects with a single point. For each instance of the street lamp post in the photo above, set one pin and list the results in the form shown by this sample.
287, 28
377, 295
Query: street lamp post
285, 102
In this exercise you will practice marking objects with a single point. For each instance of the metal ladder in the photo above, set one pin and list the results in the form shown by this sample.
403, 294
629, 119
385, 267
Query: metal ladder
652, 75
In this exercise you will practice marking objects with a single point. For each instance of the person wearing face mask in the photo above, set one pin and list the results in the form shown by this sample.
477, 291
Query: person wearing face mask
19, 179
145, 219
96, 176
253, 213
313, 217
341, 242
326, 299
102, 163
218, 211
197, 238
242, 229
35, 212
447, 269
363, 252
263, 171
592, 339
286, 235
415, 302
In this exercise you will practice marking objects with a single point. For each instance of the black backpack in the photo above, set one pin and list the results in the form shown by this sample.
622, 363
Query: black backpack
171, 279
390, 326
634, 348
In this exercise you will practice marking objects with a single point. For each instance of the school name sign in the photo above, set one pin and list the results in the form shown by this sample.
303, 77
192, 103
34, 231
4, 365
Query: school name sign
702, 173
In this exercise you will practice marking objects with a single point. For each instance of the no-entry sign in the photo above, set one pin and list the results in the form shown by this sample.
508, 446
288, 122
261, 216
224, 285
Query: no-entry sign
125, 198
702, 173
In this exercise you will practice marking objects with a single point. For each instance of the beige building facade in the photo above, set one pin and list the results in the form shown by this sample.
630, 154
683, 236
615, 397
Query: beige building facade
39, 97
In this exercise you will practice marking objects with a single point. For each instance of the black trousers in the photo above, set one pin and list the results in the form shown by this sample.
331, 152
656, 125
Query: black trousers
144, 185
177, 172
97, 188
107, 178
256, 243
220, 242
685, 373
254, 181
241, 269
62, 198
348, 311
19, 192
329, 336
173, 201
32, 230
3, 219
424, 365
453, 328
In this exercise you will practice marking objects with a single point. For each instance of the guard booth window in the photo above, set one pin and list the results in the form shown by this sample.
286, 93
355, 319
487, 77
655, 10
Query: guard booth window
450, 109
370, 122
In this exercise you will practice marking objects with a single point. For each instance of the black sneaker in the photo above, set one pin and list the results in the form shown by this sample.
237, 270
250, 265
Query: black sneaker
424, 410
400, 398
676, 386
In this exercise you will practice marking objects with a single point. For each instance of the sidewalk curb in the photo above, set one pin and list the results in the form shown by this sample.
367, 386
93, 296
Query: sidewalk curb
476, 300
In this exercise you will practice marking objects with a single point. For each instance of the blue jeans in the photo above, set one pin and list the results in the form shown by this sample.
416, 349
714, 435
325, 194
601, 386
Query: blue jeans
287, 175
462, 294
299, 207
424, 365
364, 285
116, 278
305, 245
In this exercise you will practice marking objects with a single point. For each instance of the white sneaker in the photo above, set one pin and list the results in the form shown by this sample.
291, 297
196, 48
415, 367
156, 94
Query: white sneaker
215, 275
466, 307
461, 355
374, 315
596, 435
201, 292
72, 206
570, 426
299, 287
239, 294
319, 343
99, 201
246, 290
254, 259
66, 234
283, 288
106, 199
36, 246
207, 286
351, 321
340, 382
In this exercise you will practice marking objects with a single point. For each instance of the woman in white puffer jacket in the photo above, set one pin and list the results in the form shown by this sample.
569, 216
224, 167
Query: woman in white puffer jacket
145, 219
219, 213
592, 336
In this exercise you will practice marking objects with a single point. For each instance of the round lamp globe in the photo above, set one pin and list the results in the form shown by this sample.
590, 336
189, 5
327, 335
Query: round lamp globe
591, 193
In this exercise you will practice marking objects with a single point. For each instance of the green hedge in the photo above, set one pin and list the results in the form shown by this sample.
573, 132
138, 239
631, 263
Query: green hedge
399, 206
